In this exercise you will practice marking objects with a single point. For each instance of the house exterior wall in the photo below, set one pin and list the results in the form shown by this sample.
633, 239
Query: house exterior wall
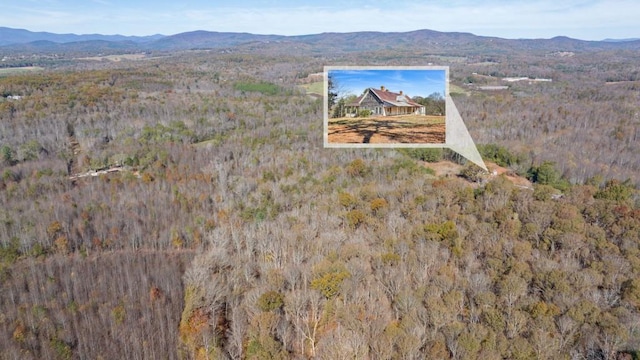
404, 111
369, 102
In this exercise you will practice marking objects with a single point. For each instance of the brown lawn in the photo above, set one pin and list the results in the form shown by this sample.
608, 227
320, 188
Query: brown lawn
404, 129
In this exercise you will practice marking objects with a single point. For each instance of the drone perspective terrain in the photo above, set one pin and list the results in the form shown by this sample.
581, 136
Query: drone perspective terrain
171, 198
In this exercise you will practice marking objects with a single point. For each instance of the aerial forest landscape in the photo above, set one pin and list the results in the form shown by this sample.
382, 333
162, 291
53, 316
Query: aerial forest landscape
170, 198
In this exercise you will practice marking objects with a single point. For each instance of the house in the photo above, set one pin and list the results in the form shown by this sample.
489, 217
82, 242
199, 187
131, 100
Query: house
386, 103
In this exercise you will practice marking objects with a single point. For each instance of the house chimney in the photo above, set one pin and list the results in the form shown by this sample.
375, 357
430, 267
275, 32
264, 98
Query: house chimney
382, 88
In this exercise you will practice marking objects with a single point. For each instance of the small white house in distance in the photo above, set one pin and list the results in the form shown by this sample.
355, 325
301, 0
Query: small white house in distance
516, 79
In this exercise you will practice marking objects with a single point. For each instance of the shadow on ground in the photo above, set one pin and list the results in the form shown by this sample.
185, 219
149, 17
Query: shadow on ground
385, 131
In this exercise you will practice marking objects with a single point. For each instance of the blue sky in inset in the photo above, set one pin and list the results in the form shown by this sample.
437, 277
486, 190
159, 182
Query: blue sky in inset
581, 19
413, 82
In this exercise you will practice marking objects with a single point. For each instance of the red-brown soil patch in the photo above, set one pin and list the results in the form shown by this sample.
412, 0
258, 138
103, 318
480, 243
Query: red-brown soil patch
449, 169
497, 170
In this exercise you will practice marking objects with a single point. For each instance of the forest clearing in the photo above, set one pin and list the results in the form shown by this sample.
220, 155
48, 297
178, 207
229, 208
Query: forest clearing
19, 70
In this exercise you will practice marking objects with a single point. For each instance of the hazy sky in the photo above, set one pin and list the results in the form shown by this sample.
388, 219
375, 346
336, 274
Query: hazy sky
582, 19
412, 82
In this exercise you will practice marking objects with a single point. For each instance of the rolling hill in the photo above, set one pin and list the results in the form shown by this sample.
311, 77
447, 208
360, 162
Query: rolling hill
19, 40
10, 36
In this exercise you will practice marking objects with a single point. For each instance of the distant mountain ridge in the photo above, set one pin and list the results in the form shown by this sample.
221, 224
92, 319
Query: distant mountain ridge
211, 39
21, 40
621, 40
10, 36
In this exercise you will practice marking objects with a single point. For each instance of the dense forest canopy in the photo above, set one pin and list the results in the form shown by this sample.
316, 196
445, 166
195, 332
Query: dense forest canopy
181, 206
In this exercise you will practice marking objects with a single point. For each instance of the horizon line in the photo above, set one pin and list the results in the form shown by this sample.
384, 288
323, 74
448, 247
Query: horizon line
326, 32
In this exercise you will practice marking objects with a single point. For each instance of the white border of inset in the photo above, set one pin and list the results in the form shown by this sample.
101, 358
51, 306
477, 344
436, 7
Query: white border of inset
325, 110
457, 137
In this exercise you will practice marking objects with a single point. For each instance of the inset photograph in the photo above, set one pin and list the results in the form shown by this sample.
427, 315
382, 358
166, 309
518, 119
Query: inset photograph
385, 105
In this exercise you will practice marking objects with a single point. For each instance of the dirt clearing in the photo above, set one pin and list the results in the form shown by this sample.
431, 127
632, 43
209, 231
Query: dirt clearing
408, 129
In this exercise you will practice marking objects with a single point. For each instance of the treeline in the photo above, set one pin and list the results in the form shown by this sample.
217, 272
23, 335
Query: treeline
111, 305
371, 259
434, 104
545, 173
587, 127
111, 249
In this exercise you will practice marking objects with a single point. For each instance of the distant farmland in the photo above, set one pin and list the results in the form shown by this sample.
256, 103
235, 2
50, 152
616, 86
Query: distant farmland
19, 70
314, 88
116, 58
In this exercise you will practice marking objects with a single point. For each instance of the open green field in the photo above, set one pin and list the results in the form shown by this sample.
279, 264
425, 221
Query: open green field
314, 88
454, 89
19, 70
